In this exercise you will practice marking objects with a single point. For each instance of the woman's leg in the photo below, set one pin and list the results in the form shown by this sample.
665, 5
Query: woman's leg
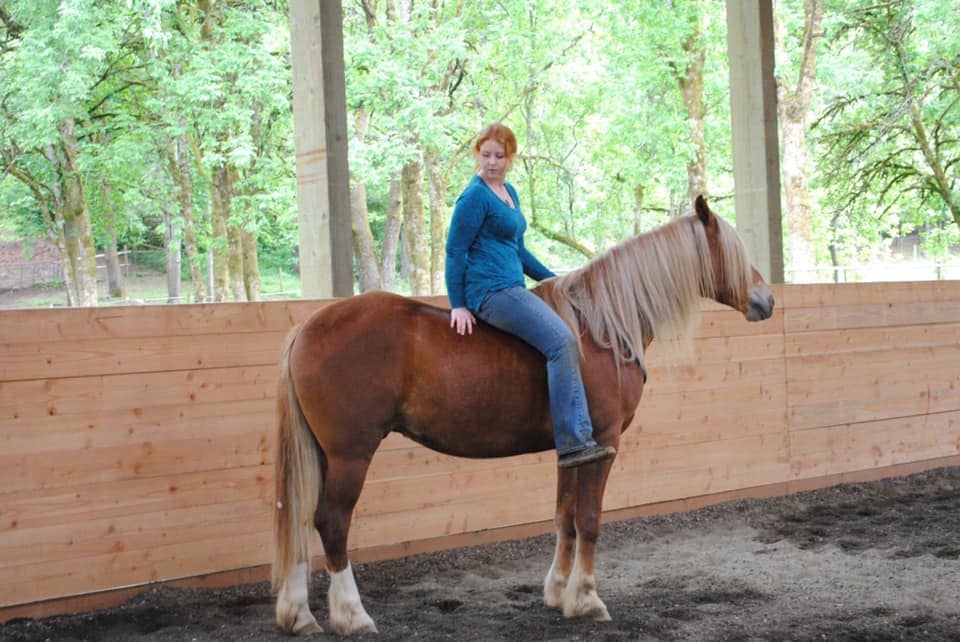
525, 315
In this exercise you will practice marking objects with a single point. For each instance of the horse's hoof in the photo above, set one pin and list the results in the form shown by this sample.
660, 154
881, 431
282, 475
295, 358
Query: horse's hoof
595, 612
356, 625
298, 621
586, 604
552, 600
308, 628
553, 588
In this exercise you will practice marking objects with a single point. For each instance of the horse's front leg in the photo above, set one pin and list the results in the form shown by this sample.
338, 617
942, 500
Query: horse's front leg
559, 573
580, 597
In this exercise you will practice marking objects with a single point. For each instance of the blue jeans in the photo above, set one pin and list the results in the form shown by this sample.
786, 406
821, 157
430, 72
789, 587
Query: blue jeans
523, 314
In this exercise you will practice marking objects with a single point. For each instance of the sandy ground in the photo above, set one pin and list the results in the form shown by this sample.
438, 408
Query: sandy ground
871, 562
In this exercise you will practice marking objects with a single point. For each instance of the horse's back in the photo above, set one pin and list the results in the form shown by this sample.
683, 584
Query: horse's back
379, 362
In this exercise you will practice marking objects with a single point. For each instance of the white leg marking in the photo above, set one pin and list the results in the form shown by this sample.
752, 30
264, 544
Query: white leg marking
580, 598
555, 582
293, 611
347, 615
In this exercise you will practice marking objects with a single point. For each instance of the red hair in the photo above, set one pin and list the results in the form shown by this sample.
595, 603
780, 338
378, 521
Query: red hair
501, 134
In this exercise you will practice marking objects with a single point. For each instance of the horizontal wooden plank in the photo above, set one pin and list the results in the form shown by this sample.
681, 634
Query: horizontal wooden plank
133, 322
512, 495
228, 547
81, 324
827, 296
712, 375
685, 421
53, 507
134, 532
867, 368
699, 350
149, 424
829, 342
730, 323
688, 470
85, 358
119, 394
827, 390
466, 486
70, 469
416, 462
872, 315
872, 444
506, 505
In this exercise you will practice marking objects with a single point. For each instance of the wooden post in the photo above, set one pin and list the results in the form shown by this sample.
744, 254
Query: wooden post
753, 115
320, 130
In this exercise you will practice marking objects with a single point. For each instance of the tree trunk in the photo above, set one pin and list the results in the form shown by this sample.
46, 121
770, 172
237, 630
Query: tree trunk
111, 256
171, 249
793, 104
235, 261
416, 247
363, 245
237, 269
690, 81
180, 170
391, 235
251, 265
438, 222
75, 217
638, 193
220, 243
364, 249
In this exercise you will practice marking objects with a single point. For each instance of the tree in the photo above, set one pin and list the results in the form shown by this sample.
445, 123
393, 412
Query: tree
893, 138
794, 100
63, 65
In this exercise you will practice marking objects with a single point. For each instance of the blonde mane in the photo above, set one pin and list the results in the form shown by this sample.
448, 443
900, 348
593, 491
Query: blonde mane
650, 285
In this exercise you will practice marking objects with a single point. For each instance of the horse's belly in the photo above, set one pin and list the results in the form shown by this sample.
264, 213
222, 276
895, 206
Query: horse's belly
484, 436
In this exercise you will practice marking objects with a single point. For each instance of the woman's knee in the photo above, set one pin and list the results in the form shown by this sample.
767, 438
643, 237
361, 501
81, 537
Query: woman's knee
564, 345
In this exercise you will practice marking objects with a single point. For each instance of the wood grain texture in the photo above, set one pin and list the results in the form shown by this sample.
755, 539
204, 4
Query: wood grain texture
136, 444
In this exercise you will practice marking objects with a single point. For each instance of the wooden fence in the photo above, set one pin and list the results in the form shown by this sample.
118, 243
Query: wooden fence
136, 444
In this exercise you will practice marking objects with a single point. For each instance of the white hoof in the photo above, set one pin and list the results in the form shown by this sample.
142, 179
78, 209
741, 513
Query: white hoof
347, 615
553, 588
580, 599
293, 611
297, 620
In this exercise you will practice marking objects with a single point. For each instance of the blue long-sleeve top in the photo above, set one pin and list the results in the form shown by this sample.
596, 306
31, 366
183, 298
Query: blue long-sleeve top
485, 251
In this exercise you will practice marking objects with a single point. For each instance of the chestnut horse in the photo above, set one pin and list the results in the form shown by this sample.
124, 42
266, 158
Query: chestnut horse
377, 363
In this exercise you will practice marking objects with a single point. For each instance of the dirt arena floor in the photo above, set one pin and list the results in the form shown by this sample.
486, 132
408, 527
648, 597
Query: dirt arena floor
871, 562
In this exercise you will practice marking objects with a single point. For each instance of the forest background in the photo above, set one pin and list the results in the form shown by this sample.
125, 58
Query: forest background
164, 128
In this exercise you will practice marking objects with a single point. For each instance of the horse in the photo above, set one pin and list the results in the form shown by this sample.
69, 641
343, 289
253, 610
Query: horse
376, 363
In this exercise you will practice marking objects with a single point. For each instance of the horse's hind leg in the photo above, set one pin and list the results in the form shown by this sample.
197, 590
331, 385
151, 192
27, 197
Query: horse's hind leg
559, 573
342, 485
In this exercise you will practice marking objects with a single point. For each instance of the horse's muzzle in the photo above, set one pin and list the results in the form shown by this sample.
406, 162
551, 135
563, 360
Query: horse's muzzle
760, 304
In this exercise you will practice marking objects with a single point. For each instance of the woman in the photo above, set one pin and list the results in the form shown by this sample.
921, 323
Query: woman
486, 261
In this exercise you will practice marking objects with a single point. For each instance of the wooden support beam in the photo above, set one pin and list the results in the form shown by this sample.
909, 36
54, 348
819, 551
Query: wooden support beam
320, 126
753, 115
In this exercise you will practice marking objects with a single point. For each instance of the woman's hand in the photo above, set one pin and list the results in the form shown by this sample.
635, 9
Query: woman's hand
462, 320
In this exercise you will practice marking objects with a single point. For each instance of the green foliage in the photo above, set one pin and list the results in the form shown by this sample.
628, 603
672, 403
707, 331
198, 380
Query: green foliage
590, 87
889, 133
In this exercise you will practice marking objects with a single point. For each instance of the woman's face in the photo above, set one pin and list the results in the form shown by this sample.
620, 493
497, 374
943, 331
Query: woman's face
494, 163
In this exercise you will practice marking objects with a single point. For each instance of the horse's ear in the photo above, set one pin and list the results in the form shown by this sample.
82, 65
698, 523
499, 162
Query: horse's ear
703, 211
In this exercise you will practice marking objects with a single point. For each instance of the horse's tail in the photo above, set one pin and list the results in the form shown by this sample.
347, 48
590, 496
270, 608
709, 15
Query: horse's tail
297, 477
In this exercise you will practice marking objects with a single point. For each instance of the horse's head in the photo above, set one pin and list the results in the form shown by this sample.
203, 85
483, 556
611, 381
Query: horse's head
736, 282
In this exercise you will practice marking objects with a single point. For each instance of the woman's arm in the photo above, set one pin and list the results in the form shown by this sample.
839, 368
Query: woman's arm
465, 224
531, 266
